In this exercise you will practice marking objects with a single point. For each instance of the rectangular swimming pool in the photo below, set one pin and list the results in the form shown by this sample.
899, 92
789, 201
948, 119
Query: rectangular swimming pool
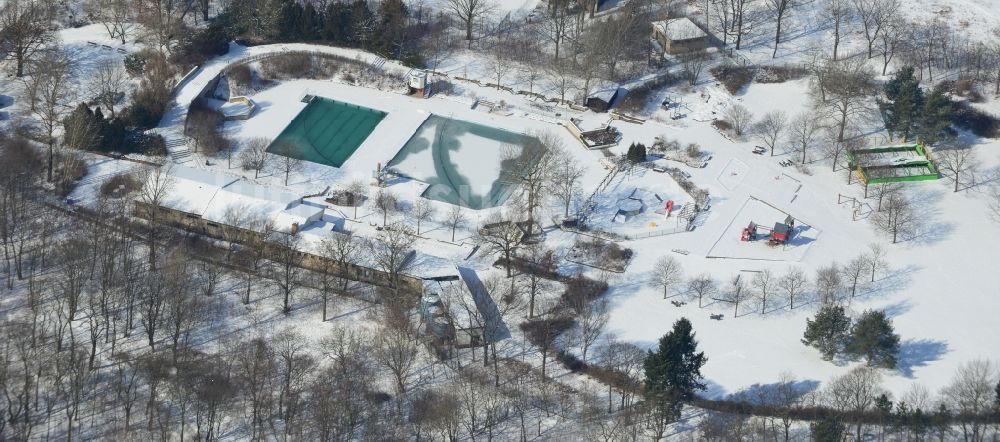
463, 163
326, 132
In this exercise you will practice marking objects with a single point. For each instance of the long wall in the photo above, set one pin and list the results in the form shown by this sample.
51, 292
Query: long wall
195, 223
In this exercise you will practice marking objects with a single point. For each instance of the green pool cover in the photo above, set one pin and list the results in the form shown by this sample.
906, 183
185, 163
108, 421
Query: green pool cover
326, 132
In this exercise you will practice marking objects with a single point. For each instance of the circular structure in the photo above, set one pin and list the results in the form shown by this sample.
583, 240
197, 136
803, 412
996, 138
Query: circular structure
238, 108
630, 206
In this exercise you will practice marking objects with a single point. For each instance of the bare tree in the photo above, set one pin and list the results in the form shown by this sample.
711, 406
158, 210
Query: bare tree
564, 181
49, 94
845, 88
421, 212
286, 165
469, 12
875, 258
853, 271
874, 16
500, 53
892, 40
455, 218
898, 217
793, 284
740, 117
666, 273
693, 65
163, 20
396, 349
802, 132
702, 285
957, 161
856, 392
342, 251
288, 275
391, 250
591, 324
884, 190
109, 84
501, 234
114, 15
972, 393
529, 167
779, 9
26, 29
993, 204
762, 281
839, 14
770, 128
157, 185
829, 284
358, 190
385, 203
737, 293
254, 155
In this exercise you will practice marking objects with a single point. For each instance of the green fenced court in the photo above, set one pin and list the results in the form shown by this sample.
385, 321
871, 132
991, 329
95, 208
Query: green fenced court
326, 132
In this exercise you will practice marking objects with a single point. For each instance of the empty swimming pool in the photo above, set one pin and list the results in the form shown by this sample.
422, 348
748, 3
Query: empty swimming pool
326, 132
463, 163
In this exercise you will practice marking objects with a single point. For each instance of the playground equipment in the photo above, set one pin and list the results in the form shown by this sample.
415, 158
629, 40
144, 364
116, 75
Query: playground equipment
779, 234
669, 207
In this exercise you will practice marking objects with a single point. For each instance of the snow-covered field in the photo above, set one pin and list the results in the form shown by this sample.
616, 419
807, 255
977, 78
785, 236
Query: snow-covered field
939, 287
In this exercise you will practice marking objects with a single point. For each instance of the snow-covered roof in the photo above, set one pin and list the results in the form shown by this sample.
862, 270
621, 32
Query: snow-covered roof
214, 196
679, 29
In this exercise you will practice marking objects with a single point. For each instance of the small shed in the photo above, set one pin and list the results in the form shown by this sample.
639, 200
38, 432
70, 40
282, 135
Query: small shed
606, 99
780, 233
679, 36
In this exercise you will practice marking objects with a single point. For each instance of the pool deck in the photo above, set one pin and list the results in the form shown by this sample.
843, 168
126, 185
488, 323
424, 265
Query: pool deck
280, 104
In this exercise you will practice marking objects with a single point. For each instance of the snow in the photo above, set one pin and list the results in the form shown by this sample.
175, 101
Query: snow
679, 29
216, 196
939, 288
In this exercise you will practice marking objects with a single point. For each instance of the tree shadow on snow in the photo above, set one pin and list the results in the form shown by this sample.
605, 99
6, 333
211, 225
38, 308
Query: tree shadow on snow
915, 353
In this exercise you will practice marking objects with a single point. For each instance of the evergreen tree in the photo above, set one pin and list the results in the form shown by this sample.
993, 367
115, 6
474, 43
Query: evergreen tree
828, 331
873, 338
311, 23
905, 100
934, 123
636, 153
827, 430
884, 408
673, 372
941, 419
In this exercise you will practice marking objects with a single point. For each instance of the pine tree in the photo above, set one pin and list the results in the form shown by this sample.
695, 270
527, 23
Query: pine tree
873, 338
827, 331
636, 153
935, 116
905, 102
827, 430
673, 372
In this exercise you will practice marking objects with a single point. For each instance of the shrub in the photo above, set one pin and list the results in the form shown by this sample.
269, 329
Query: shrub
967, 117
71, 168
198, 46
694, 150
240, 78
722, 125
778, 74
734, 78
291, 65
125, 181
135, 64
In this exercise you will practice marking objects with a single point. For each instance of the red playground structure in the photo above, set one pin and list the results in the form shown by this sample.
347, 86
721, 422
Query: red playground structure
779, 234
669, 207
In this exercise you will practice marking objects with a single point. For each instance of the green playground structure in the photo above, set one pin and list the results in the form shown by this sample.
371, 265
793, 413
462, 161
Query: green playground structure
326, 132
892, 164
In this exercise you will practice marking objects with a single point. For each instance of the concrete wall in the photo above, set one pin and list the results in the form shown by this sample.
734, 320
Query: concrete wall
197, 224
